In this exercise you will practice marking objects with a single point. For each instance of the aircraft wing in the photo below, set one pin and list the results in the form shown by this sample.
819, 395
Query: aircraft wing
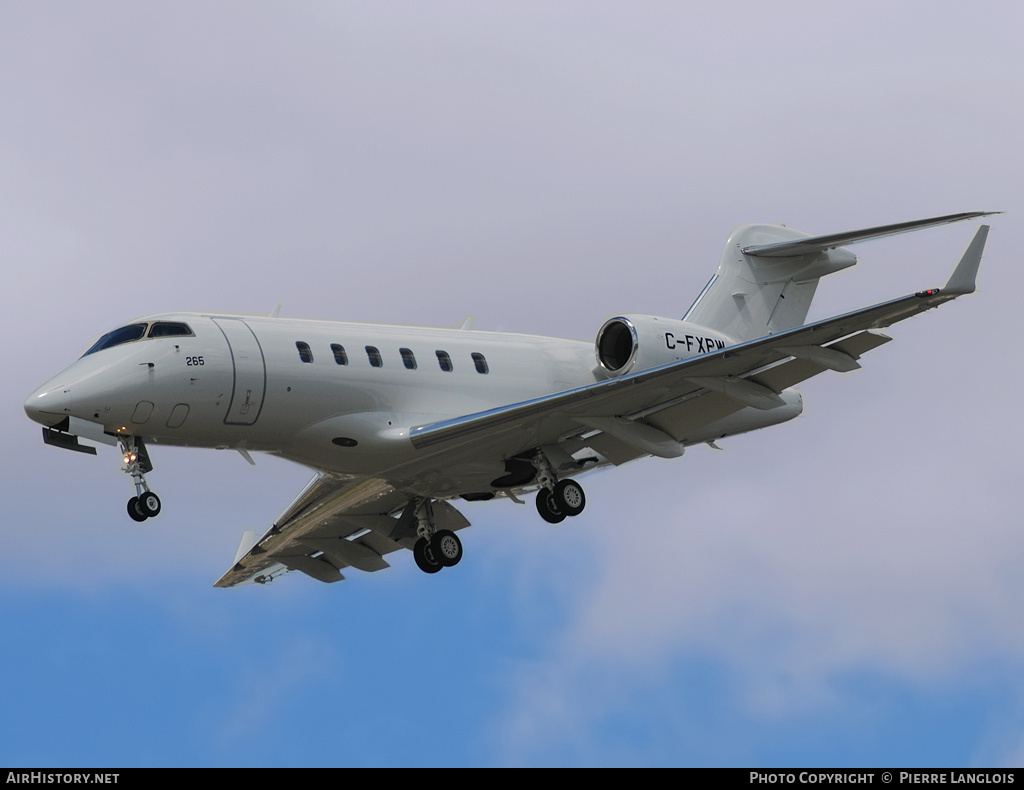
641, 412
333, 523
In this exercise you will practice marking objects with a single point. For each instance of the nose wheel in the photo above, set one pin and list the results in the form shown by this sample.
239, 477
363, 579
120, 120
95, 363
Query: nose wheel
145, 504
135, 511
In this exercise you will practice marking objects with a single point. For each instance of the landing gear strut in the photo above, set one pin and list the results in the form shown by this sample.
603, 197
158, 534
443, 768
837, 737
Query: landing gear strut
145, 504
436, 548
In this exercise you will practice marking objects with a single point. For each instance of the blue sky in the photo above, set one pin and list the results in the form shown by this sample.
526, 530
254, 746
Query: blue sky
841, 590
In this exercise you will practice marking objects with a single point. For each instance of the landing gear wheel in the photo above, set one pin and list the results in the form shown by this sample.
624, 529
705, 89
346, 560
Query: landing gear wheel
446, 547
569, 497
424, 557
134, 510
547, 508
149, 504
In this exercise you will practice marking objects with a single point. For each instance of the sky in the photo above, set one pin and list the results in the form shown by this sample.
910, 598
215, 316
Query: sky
842, 590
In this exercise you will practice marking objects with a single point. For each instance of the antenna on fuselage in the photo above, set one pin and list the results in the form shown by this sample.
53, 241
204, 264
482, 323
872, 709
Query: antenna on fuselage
276, 311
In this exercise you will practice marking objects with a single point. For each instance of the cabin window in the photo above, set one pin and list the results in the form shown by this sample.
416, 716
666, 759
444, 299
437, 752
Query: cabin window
304, 353
444, 361
480, 362
339, 354
126, 334
373, 354
169, 329
408, 358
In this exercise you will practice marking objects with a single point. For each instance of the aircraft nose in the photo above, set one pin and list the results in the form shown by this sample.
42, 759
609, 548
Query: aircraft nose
49, 404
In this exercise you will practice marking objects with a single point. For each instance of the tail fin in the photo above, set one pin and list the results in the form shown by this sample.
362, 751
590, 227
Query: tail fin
751, 295
768, 274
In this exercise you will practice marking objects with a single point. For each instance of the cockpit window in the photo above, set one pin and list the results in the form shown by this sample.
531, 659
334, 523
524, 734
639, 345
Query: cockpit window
169, 329
126, 334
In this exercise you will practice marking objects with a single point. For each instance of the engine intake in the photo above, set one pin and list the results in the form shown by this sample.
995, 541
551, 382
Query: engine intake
617, 345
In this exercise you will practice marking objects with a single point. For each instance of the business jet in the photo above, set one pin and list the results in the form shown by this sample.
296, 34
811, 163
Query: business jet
399, 421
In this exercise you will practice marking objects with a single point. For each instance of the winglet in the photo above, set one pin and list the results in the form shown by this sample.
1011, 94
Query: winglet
249, 539
964, 276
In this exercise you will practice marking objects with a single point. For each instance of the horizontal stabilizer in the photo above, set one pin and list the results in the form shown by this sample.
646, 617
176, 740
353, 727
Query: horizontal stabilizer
813, 244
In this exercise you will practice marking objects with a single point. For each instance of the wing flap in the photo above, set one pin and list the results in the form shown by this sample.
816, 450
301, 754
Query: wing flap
342, 552
328, 508
332, 524
861, 342
615, 451
648, 439
827, 357
746, 391
315, 567
686, 418
840, 356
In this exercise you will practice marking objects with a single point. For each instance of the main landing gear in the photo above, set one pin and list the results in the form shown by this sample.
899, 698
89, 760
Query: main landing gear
565, 498
145, 504
436, 548
556, 500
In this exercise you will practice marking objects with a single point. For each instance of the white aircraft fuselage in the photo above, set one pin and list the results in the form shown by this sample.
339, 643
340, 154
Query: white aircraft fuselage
243, 382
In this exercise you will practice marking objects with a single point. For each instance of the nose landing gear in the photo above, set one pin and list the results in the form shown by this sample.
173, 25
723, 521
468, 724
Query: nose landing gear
142, 507
145, 504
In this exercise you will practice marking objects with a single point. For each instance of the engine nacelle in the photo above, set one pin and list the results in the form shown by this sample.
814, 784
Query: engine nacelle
628, 343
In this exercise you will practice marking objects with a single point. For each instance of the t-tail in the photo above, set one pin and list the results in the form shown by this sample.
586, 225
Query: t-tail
767, 276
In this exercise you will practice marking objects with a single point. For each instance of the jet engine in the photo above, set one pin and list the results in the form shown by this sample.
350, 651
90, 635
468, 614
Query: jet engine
628, 343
